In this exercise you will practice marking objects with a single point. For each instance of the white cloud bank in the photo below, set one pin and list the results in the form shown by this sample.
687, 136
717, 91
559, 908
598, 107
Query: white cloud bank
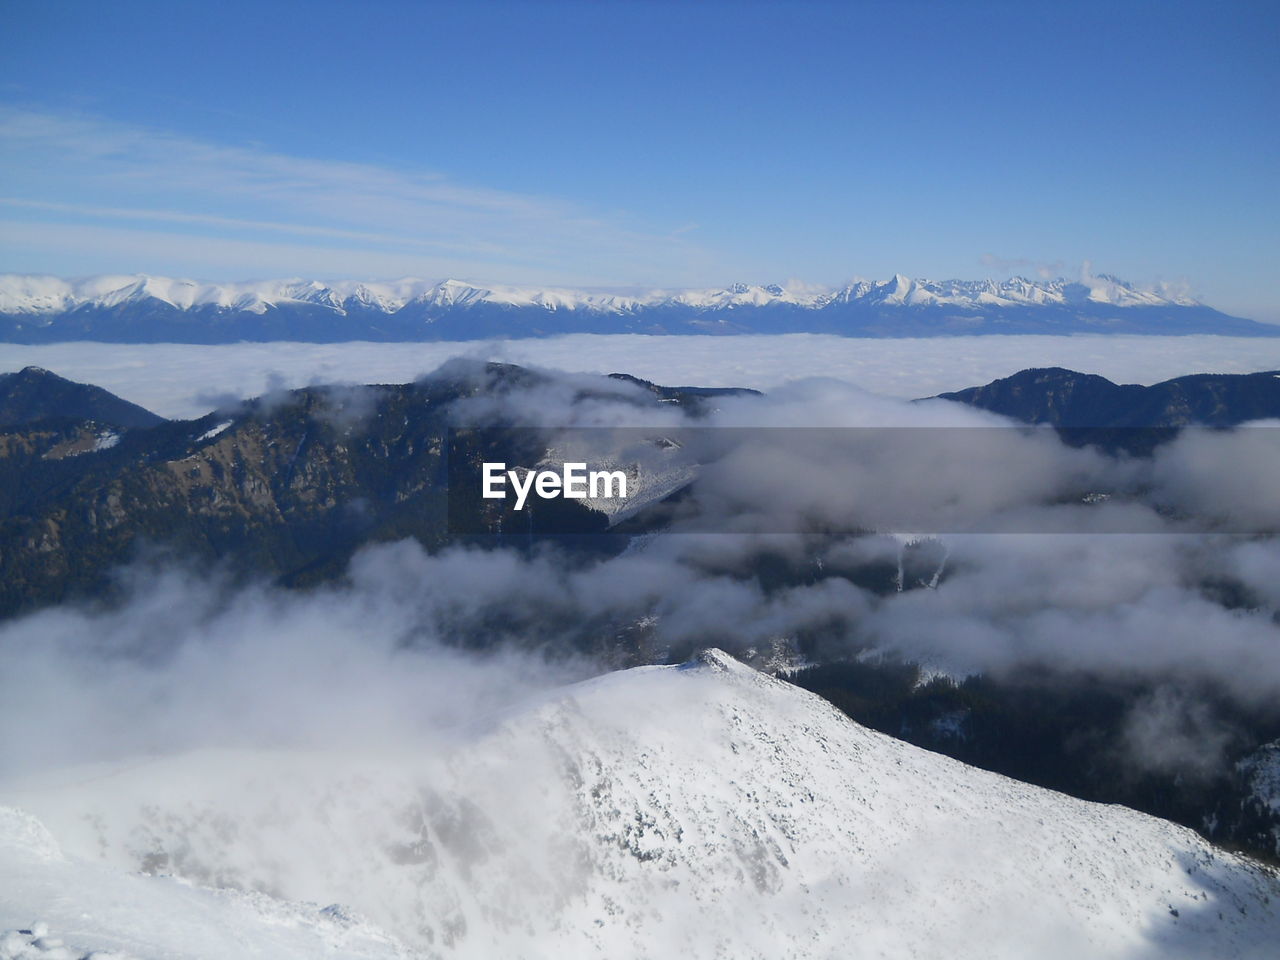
187, 380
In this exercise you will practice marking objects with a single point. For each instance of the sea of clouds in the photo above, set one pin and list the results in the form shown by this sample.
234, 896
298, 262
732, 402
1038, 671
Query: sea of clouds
186, 380
189, 661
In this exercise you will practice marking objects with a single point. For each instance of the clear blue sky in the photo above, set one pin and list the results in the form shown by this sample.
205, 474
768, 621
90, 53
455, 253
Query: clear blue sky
645, 143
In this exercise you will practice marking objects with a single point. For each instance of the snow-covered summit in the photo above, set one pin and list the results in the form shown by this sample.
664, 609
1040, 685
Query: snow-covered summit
696, 811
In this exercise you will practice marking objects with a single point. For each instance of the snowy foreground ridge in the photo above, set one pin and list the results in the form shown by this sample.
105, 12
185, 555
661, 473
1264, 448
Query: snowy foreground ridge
695, 811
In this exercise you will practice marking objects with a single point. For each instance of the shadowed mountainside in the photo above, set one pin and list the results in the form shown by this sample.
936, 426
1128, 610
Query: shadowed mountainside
34, 394
1065, 398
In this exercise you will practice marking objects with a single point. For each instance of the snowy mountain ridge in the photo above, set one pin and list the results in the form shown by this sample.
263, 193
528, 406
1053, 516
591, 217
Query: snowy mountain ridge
704, 810
23, 294
147, 309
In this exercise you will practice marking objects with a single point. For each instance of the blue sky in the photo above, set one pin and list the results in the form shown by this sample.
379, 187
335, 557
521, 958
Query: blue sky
645, 143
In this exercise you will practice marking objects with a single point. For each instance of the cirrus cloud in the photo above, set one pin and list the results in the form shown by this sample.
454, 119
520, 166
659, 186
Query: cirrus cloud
119, 197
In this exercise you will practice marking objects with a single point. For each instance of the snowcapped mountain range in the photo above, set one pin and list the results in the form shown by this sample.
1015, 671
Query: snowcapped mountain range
704, 810
43, 295
148, 309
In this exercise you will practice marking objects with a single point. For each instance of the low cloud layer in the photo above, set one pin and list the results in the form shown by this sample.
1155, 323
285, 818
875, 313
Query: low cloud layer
418, 642
188, 662
188, 380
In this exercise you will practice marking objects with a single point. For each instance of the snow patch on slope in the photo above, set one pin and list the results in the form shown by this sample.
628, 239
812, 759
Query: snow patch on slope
213, 431
654, 467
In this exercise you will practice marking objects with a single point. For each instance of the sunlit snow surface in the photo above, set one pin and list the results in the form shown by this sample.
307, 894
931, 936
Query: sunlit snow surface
697, 811
210, 434
187, 380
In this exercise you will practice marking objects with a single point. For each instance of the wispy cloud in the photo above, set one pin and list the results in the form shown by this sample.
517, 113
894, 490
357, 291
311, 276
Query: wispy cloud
66, 171
204, 255
1022, 265
178, 216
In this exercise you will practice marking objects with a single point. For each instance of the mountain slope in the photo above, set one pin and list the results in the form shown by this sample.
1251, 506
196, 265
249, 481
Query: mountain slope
142, 309
54, 908
288, 485
1065, 398
34, 394
701, 811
